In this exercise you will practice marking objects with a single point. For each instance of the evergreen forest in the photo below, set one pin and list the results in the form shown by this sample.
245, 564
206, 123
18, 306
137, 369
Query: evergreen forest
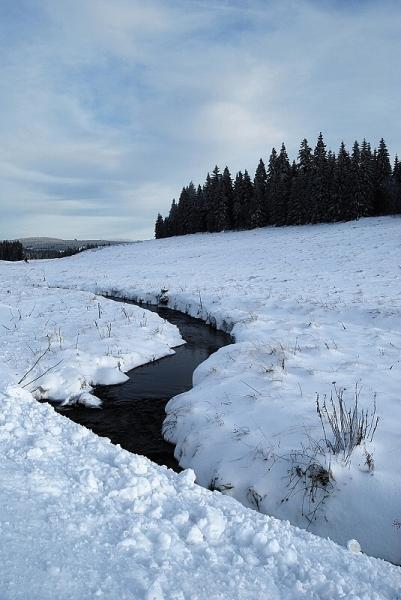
319, 187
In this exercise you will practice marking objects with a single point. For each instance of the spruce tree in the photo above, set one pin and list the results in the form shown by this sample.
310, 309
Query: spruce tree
341, 205
214, 200
191, 199
184, 210
247, 200
199, 218
320, 192
366, 179
356, 183
223, 201
237, 201
159, 227
382, 180
299, 199
280, 188
259, 208
173, 219
271, 180
396, 187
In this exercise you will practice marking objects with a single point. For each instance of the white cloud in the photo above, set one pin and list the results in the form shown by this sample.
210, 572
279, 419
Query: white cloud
118, 104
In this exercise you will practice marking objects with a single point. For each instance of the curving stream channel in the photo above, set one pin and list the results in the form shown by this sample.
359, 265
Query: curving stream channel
132, 413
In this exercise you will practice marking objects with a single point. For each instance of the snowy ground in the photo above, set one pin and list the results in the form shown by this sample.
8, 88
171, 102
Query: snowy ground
307, 306
81, 518
59, 343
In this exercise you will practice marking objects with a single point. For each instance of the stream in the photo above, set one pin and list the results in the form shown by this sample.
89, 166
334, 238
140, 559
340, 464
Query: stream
133, 412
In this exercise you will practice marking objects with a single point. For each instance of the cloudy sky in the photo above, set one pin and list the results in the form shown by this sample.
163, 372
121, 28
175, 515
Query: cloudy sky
108, 107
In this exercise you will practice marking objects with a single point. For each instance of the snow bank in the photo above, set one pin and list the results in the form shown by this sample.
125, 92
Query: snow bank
59, 343
308, 306
81, 518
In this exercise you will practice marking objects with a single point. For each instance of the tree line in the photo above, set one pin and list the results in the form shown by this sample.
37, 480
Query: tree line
319, 187
11, 250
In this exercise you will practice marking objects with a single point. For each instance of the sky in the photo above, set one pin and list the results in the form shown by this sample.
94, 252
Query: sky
109, 107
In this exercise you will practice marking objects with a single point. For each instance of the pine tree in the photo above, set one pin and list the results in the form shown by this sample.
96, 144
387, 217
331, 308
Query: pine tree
199, 217
247, 200
159, 227
341, 205
280, 188
208, 204
184, 212
320, 192
299, 199
214, 200
383, 171
271, 181
396, 187
237, 201
356, 183
259, 208
224, 201
243, 200
173, 219
366, 180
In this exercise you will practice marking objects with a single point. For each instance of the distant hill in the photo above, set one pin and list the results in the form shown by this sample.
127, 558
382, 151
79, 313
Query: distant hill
48, 247
49, 243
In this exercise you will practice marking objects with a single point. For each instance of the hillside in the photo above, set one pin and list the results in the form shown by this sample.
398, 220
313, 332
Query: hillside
307, 306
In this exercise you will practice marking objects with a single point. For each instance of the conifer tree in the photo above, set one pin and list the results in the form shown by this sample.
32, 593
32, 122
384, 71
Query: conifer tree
199, 219
366, 179
191, 198
259, 208
213, 194
280, 188
382, 198
320, 193
339, 190
173, 219
247, 200
224, 201
159, 227
356, 183
396, 187
184, 211
299, 199
237, 201
271, 178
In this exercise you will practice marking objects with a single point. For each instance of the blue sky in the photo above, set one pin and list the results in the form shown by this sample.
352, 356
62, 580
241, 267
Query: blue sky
108, 107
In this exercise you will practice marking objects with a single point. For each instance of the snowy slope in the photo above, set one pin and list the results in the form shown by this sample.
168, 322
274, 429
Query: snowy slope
308, 306
81, 518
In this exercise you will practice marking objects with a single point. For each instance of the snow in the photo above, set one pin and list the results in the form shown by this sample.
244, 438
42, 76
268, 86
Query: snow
307, 306
60, 343
82, 518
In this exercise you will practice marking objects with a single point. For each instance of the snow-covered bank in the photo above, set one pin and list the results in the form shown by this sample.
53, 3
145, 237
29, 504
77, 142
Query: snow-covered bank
60, 343
81, 518
308, 306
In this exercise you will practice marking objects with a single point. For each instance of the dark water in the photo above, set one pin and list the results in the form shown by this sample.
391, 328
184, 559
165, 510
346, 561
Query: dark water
132, 413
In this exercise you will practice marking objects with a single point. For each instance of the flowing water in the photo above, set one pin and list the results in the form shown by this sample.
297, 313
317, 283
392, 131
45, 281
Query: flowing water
132, 413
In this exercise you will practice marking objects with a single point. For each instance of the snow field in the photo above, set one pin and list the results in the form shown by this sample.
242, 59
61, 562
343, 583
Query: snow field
60, 343
82, 518
308, 306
